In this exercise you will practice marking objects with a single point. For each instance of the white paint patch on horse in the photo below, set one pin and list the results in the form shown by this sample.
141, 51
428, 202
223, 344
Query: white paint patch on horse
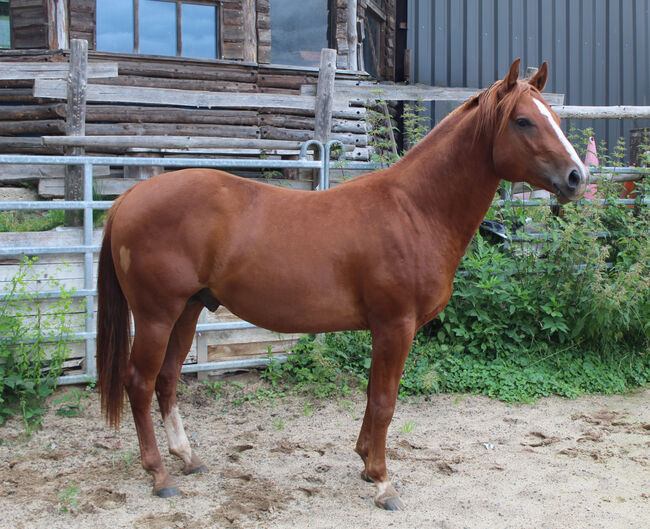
176, 437
566, 143
125, 259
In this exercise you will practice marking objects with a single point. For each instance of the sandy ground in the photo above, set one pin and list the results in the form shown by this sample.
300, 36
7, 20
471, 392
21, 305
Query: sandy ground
458, 461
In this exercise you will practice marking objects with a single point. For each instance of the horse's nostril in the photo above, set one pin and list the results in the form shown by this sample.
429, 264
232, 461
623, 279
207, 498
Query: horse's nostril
574, 180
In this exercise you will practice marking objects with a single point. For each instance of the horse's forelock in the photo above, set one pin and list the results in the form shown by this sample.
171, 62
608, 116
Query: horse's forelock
494, 108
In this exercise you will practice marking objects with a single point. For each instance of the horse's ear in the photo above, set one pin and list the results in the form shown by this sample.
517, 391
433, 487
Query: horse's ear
539, 79
511, 79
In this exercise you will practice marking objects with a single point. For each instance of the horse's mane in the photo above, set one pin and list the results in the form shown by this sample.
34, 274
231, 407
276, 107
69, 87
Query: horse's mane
494, 108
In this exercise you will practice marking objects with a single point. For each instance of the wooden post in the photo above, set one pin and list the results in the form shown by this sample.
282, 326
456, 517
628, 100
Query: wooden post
75, 124
325, 95
352, 35
408, 58
57, 27
324, 99
250, 30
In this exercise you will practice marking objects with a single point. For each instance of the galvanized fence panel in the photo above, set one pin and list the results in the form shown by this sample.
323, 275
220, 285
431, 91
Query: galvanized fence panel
88, 249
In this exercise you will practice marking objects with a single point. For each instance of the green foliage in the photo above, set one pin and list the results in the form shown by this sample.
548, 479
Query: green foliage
68, 498
71, 405
564, 308
415, 124
33, 344
21, 221
214, 389
380, 127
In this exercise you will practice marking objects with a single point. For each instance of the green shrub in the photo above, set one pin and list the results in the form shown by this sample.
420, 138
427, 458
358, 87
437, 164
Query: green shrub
33, 344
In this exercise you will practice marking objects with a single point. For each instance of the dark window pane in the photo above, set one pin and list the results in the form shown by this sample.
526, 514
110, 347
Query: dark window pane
298, 31
372, 45
157, 27
199, 31
115, 25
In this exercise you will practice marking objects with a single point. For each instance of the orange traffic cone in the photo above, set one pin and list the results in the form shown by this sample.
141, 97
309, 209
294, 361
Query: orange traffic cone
591, 161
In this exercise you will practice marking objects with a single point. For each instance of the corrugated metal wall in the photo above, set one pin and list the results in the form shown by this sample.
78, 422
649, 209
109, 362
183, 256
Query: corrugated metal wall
598, 50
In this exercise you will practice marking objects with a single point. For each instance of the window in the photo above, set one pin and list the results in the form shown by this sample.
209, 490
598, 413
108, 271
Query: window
5, 37
373, 39
159, 27
299, 30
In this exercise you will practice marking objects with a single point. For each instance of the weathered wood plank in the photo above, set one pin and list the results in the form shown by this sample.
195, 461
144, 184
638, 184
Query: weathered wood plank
169, 142
587, 112
180, 129
140, 114
305, 123
52, 70
209, 85
17, 173
39, 126
395, 92
49, 88
31, 112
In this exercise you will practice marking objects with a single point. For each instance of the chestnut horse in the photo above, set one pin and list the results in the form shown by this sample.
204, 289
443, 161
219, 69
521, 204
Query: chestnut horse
379, 253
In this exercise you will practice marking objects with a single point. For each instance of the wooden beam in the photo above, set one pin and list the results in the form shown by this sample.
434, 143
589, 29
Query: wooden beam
351, 23
52, 70
57, 24
250, 30
398, 92
168, 142
612, 112
53, 89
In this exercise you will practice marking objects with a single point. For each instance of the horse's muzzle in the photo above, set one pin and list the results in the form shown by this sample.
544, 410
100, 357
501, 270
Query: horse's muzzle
573, 186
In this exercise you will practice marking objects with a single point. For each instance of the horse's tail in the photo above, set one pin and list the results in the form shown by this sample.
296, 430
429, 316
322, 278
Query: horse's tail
113, 331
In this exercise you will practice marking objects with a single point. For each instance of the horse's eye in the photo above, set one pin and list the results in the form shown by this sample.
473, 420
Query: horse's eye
523, 122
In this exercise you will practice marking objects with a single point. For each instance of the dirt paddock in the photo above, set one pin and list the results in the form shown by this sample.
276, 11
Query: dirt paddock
458, 462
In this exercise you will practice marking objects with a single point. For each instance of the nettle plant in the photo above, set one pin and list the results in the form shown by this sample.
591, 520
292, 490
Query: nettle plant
34, 343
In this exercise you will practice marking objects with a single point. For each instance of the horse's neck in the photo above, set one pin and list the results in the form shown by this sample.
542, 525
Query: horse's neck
451, 180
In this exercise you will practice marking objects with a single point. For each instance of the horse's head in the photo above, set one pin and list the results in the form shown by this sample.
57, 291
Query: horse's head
528, 144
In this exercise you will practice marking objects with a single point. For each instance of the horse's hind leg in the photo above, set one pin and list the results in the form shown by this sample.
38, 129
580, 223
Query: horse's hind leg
147, 355
177, 349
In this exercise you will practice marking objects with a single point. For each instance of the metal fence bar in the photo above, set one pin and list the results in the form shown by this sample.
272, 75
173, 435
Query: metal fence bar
88, 205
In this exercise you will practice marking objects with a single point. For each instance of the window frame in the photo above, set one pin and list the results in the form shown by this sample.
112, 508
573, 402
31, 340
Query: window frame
179, 25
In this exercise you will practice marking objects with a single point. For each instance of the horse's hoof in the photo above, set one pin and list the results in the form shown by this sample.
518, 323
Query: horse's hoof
196, 470
387, 497
391, 504
167, 492
365, 477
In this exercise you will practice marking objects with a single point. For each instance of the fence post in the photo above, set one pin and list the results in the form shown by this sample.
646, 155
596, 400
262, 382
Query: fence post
75, 124
324, 96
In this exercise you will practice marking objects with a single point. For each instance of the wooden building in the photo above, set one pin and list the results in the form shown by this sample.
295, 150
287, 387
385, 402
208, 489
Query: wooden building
217, 46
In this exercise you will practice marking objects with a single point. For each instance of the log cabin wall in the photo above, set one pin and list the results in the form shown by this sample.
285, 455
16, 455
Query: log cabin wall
82, 21
28, 24
23, 118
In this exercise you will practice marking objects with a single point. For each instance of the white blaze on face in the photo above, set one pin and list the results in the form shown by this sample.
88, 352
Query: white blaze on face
560, 135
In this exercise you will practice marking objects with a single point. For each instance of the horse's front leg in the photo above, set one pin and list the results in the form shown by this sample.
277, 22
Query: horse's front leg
390, 347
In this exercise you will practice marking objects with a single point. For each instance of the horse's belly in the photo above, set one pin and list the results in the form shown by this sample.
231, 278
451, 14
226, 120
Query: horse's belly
301, 307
